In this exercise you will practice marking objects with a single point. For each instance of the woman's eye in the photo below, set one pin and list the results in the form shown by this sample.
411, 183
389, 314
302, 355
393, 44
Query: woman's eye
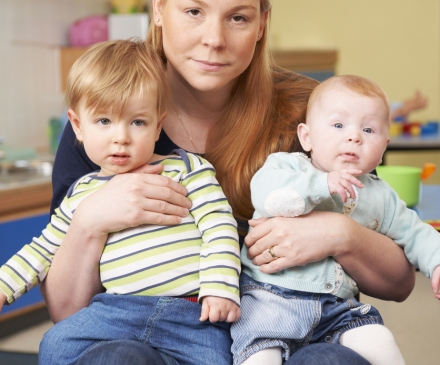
368, 130
104, 121
238, 18
194, 12
138, 123
337, 125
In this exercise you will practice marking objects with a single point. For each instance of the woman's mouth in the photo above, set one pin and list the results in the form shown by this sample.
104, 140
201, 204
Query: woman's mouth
210, 66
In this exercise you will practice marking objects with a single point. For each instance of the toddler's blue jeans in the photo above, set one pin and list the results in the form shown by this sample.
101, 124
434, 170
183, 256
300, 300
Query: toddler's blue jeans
169, 325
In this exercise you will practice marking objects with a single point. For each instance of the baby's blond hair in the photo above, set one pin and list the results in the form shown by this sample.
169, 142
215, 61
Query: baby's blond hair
357, 84
111, 72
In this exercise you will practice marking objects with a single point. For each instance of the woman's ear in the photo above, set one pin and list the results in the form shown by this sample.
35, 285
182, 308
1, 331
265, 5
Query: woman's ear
76, 125
157, 12
304, 137
263, 23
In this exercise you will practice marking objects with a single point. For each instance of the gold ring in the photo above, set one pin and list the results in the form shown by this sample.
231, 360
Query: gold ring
270, 251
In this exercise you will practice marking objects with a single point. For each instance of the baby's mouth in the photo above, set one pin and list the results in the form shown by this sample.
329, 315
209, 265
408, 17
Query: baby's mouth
349, 156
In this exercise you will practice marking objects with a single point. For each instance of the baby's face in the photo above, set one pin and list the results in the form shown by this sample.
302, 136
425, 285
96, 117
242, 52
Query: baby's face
120, 143
347, 130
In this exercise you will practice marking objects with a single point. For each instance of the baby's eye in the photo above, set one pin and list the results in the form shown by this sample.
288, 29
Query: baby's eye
337, 125
368, 130
138, 123
104, 121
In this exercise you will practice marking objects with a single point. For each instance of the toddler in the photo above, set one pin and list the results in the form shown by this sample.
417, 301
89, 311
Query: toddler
161, 282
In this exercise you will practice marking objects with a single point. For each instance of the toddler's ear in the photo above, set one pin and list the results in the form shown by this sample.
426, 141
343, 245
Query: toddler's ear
160, 124
304, 137
76, 125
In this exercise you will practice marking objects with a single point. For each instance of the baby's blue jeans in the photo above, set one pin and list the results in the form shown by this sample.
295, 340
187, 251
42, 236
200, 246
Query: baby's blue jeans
273, 316
169, 325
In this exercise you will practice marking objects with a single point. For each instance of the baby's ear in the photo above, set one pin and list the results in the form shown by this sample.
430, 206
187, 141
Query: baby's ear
304, 137
76, 125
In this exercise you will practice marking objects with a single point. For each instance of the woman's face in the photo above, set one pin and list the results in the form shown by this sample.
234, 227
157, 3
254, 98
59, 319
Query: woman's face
209, 42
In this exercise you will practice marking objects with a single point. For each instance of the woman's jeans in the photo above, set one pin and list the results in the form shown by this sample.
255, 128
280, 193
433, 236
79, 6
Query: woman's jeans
169, 325
136, 353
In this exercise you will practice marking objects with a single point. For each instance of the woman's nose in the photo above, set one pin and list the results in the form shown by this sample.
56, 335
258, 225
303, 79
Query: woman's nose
214, 34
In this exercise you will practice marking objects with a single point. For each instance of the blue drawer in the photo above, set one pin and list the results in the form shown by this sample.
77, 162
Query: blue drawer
13, 236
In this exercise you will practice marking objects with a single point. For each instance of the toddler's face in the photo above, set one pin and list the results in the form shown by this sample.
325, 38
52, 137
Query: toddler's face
119, 143
347, 130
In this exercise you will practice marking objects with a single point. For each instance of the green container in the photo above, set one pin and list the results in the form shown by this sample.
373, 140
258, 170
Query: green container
405, 180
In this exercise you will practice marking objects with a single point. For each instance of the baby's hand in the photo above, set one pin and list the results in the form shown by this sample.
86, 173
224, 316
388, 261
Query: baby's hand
341, 182
219, 309
435, 282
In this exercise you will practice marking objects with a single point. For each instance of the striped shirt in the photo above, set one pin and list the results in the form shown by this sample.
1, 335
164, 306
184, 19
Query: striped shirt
200, 256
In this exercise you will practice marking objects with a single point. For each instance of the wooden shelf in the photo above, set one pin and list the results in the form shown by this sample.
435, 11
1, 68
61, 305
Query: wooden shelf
27, 200
306, 60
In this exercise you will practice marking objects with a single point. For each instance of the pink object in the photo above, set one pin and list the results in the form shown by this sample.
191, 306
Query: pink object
87, 31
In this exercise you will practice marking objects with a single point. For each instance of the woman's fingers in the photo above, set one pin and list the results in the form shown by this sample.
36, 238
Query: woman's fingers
296, 241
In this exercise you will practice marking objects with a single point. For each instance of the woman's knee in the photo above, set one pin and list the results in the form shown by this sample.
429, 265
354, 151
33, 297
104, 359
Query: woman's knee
121, 352
326, 354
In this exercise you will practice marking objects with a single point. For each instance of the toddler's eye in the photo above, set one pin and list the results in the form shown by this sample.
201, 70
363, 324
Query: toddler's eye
138, 123
337, 125
104, 121
368, 130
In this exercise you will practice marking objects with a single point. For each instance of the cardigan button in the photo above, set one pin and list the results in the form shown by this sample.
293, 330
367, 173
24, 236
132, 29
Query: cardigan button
328, 286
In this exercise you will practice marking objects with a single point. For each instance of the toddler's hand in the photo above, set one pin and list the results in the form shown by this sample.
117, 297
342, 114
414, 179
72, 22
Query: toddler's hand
435, 282
219, 309
3, 300
341, 182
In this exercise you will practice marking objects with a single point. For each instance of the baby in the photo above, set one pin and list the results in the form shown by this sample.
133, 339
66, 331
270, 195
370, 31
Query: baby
346, 134
164, 281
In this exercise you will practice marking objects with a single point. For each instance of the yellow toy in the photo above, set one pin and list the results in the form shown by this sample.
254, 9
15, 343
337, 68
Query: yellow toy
128, 6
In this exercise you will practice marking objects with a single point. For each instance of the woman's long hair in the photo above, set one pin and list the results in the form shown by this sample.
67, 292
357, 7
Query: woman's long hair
265, 107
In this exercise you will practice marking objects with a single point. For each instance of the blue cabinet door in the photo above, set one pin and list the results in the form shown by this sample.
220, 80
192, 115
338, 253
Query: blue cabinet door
13, 236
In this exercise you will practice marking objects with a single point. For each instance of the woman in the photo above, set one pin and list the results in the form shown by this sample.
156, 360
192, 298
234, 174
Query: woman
231, 105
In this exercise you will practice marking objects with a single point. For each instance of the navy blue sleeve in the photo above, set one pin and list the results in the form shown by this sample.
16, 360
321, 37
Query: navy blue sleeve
71, 162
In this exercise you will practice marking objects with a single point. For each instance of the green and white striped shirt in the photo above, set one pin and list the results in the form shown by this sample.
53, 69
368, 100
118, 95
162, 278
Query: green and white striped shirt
200, 256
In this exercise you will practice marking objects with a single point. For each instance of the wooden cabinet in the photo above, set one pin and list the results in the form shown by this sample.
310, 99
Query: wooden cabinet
24, 213
14, 235
29, 309
317, 64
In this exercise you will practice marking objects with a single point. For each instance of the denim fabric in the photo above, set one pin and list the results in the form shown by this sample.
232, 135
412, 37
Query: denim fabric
136, 353
169, 325
273, 316
324, 354
121, 352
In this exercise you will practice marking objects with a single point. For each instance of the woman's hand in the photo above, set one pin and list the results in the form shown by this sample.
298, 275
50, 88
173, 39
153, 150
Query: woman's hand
127, 200
378, 265
139, 197
294, 241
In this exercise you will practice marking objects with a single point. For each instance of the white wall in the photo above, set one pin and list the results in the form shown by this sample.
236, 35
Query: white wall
394, 42
30, 93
